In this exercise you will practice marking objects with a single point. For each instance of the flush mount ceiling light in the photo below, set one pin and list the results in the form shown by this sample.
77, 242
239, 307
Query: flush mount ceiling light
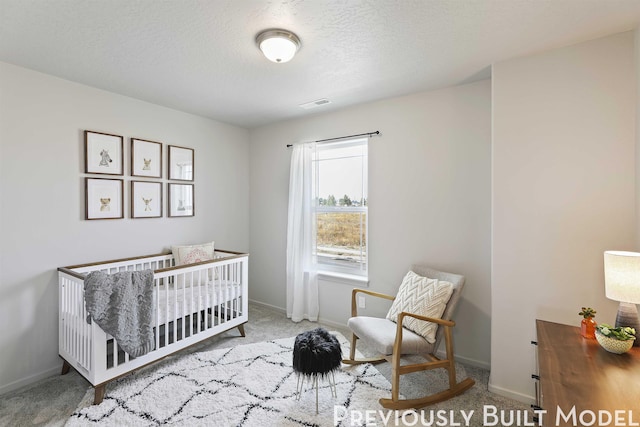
278, 45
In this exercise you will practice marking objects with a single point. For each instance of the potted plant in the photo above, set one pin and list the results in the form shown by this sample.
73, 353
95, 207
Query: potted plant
615, 340
588, 325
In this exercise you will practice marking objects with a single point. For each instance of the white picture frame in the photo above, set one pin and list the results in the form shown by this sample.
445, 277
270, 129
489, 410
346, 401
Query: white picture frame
104, 198
146, 199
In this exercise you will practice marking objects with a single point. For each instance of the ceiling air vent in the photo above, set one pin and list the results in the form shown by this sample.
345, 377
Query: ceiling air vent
316, 103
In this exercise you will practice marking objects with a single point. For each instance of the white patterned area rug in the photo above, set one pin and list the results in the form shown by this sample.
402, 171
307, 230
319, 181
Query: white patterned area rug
247, 385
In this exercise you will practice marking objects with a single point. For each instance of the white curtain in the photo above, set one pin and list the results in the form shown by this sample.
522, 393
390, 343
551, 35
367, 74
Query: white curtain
302, 277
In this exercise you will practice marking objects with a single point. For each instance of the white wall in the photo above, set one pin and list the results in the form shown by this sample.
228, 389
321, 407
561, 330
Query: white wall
636, 51
563, 192
429, 200
42, 224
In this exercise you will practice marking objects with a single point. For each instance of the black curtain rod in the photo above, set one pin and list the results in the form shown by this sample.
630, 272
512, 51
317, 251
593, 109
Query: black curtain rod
343, 137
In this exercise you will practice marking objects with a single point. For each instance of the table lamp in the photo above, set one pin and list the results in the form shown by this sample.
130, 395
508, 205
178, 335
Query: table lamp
622, 283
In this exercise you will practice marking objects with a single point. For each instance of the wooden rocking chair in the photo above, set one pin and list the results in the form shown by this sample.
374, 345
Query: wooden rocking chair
393, 340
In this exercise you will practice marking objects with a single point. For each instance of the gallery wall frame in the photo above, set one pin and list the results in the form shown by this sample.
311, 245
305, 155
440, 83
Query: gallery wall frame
103, 153
104, 198
181, 200
146, 199
146, 158
181, 163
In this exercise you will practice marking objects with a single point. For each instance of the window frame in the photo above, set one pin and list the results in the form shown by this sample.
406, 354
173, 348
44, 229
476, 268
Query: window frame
341, 270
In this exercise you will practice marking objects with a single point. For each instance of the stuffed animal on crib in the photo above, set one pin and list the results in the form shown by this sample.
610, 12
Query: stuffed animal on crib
106, 159
104, 205
147, 164
147, 207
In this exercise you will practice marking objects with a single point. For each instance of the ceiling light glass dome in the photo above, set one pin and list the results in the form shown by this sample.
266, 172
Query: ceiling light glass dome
278, 45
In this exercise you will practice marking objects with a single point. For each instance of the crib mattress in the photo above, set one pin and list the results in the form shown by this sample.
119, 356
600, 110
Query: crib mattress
176, 302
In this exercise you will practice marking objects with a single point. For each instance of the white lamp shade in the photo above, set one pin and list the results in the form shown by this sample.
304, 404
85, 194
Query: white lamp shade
622, 276
278, 45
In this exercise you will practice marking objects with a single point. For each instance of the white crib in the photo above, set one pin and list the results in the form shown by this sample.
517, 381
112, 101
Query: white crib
193, 302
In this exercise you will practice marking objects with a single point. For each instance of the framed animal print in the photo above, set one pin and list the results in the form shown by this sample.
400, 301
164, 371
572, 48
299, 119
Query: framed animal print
146, 199
181, 163
146, 158
181, 200
103, 153
104, 198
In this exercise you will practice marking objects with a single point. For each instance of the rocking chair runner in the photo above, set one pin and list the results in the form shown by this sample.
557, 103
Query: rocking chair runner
393, 341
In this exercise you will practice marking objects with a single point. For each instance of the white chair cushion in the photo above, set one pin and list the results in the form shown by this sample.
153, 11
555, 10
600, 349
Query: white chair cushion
381, 334
423, 296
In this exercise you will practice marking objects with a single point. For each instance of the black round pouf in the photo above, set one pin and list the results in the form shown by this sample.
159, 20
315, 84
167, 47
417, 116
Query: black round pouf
316, 352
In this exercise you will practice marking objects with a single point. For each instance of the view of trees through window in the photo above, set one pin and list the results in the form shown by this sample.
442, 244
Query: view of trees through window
343, 201
341, 205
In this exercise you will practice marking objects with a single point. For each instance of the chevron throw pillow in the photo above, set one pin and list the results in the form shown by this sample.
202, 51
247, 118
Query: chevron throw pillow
423, 296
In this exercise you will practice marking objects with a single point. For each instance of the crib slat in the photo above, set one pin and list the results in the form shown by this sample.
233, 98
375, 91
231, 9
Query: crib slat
226, 300
234, 289
157, 304
76, 323
83, 329
197, 316
203, 278
73, 325
63, 312
69, 319
206, 296
81, 324
175, 311
185, 304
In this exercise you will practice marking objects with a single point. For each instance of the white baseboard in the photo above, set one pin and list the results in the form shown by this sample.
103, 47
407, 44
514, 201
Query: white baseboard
524, 398
264, 304
282, 310
466, 360
332, 323
31, 379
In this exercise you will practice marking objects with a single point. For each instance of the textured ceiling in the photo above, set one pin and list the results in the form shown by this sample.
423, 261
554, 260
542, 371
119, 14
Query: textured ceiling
199, 56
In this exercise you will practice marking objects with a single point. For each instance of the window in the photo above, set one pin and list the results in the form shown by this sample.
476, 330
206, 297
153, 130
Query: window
340, 188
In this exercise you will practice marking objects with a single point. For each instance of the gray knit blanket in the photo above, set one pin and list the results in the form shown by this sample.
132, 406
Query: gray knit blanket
122, 304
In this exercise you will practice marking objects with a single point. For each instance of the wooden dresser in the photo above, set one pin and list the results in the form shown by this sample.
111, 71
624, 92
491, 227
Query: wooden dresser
574, 371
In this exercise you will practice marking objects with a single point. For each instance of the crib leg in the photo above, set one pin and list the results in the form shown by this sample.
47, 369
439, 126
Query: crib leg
65, 367
241, 329
99, 394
